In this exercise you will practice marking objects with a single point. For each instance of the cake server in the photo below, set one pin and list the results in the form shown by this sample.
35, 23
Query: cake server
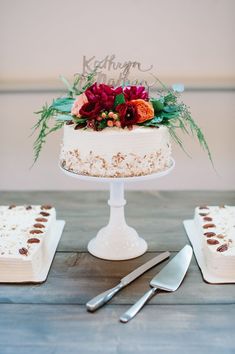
101, 299
168, 279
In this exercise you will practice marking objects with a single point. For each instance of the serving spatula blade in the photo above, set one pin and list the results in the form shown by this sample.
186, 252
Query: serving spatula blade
168, 279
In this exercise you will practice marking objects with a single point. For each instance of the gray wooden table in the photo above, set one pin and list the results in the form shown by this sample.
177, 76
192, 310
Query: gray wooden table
52, 318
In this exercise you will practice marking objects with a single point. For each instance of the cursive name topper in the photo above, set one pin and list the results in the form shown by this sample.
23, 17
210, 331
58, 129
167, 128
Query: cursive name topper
113, 72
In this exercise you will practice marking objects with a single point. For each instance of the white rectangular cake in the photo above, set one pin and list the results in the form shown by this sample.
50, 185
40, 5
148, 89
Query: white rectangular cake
216, 225
25, 236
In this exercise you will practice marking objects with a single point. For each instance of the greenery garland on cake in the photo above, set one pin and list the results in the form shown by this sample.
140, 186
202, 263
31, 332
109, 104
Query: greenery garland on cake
99, 106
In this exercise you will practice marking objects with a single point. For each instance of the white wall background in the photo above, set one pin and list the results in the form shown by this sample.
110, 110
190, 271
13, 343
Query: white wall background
186, 40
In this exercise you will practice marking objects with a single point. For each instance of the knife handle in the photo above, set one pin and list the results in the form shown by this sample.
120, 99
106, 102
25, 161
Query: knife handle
101, 299
134, 309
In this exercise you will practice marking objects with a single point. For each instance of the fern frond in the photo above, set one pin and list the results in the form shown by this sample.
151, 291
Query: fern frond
44, 129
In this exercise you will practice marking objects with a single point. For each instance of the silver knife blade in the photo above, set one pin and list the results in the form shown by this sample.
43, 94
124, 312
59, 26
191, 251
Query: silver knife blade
142, 269
171, 276
106, 296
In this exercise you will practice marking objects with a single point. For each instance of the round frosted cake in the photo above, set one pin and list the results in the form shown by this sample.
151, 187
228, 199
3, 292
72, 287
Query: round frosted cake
116, 152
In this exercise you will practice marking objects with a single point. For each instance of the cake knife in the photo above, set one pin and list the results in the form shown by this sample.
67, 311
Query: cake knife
101, 299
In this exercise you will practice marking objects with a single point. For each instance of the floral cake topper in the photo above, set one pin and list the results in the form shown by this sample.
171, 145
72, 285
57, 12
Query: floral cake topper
90, 104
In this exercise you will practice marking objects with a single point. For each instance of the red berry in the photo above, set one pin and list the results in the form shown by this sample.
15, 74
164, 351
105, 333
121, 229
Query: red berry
110, 123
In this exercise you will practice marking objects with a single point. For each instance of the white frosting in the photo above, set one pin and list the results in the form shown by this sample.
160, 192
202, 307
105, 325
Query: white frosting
15, 227
223, 226
115, 151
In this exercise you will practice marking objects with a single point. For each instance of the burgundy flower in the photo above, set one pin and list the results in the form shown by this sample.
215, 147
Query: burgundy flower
135, 93
102, 94
127, 114
90, 110
91, 123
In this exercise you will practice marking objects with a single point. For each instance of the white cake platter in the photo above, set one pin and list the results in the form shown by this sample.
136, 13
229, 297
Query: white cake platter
117, 240
195, 238
41, 276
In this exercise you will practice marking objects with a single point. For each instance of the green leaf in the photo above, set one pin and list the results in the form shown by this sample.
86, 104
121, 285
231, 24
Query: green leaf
82, 82
63, 104
57, 126
170, 98
63, 117
67, 84
102, 124
119, 99
63, 100
170, 109
153, 122
46, 114
66, 108
157, 119
158, 105
169, 115
79, 120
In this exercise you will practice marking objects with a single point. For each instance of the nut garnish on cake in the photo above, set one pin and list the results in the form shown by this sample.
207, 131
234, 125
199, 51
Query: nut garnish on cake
24, 239
218, 243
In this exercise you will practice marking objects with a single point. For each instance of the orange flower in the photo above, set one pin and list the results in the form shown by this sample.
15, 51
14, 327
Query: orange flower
144, 110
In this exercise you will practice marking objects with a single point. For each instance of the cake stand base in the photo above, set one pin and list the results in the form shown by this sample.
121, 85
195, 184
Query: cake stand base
128, 246
117, 240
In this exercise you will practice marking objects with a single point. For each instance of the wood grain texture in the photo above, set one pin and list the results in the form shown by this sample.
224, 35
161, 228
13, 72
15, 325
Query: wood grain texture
76, 278
157, 329
157, 216
51, 318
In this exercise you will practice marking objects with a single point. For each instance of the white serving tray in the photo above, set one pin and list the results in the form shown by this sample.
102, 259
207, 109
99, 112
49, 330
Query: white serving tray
42, 276
194, 238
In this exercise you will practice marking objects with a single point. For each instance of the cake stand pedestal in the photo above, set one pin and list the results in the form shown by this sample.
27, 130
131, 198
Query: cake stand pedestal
117, 240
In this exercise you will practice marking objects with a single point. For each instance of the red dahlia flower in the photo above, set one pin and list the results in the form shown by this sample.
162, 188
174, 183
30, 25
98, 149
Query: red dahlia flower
102, 94
90, 110
135, 93
127, 114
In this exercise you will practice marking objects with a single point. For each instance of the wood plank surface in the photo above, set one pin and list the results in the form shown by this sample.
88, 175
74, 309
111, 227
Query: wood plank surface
157, 216
159, 329
76, 278
51, 318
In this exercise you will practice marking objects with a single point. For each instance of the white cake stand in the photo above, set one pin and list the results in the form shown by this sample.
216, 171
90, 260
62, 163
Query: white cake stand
117, 240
